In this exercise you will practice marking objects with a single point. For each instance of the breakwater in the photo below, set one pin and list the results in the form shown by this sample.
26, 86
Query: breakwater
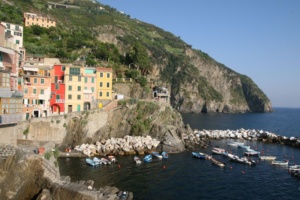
245, 134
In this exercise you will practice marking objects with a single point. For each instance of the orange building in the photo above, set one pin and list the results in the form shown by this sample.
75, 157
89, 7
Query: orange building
33, 19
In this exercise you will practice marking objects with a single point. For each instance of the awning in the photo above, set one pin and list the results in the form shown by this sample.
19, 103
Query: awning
7, 50
30, 69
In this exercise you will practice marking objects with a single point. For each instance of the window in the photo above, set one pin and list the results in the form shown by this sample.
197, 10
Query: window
85, 79
79, 88
101, 84
63, 68
74, 71
55, 79
93, 89
34, 91
8, 26
79, 78
70, 78
70, 88
42, 91
100, 94
107, 84
17, 41
57, 96
92, 79
108, 75
43, 81
56, 86
78, 97
26, 90
85, 88
69, 96
107, 94
35, 80
101, 74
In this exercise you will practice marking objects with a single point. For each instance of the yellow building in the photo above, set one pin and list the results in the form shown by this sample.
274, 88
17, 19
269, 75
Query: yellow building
33, 19
104, 84
74, 87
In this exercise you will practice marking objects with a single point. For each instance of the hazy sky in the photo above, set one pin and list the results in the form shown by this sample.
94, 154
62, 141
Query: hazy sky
258, 38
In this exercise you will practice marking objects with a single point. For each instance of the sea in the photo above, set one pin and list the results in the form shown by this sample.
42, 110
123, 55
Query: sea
183, 177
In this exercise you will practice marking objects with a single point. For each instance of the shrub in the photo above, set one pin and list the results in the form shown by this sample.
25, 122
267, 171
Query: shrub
48, 155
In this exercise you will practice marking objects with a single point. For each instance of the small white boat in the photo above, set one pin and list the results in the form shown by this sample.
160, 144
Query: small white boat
97, 160
281, 163
217, 162
267, 157
165, 155
157, 155
105, 161
252, 153
218, 150
294, 168
137, 160
235, 144
112, 158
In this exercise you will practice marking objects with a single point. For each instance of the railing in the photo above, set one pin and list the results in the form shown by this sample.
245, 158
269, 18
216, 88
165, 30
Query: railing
59, 101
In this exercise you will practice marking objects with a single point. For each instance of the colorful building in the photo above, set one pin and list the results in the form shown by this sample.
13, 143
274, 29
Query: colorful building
10, 95
74, 86
33, 19
104, 85
89, 90
37, 90
57, 101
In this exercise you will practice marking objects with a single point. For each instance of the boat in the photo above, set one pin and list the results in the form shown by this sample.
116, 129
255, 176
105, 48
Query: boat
91, 162
207, 157
243, 146
157, 155
165, 155
217, 162
280, 163
235, 144
198, 155
218, 150
267, 157
97, 160
294, 168
148, 158
229, 155
252, 153
243, 160
112, 159
137, 160
105, 161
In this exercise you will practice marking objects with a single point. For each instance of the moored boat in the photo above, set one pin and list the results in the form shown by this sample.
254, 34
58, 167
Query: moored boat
91, 162
267, 157
137, 160
235, 144
97, 160
217, 162
198, 155
218, 150
112, 158
148, 158
105, 161
280, 163
294, 168
165, 154
157, 155
252, 153
243, 160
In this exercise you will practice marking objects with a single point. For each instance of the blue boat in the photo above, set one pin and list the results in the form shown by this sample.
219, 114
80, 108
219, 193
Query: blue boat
91, 162
165, 155
148, 158
198, 155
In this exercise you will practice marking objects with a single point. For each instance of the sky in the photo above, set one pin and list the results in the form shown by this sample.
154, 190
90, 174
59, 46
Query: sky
257, 38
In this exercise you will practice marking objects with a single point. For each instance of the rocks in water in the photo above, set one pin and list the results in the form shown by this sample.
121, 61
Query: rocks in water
127, 145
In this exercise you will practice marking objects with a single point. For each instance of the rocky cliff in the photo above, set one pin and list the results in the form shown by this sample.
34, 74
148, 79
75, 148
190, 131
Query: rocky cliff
26, 175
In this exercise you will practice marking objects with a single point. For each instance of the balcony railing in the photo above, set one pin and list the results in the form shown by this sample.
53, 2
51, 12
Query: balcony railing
59, 101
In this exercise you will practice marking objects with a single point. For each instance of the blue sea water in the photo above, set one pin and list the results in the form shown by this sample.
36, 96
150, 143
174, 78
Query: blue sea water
183, 177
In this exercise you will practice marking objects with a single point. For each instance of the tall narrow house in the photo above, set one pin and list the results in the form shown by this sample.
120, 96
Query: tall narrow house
104, 85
